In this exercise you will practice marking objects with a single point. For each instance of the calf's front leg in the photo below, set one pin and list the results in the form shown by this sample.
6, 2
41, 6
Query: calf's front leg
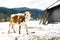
19, 29
26, 28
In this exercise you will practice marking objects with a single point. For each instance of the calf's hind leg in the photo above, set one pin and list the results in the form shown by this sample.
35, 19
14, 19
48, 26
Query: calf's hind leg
9, 28
13, 28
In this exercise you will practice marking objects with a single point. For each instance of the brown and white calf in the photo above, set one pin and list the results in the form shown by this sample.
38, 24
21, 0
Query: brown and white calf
19, 18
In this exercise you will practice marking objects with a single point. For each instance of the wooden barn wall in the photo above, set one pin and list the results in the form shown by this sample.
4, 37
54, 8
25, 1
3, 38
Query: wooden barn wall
54, 15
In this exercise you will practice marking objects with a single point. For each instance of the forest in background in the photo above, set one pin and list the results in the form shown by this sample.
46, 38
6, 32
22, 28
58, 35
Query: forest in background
6, 12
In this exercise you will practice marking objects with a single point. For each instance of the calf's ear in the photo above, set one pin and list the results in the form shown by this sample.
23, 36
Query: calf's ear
24, 14
31, 13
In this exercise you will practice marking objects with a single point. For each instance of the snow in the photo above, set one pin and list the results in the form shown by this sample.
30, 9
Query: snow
57, 3
36, 31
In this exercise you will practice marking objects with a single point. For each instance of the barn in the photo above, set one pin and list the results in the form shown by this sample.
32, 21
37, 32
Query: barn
53, 14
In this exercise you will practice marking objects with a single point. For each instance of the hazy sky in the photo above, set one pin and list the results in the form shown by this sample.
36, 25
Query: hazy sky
41, 4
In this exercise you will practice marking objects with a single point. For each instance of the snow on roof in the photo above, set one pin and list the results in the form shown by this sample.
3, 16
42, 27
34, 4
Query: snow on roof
56, 4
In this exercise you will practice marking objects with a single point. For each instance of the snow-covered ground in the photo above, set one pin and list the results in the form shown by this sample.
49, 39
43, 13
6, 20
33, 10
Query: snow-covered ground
36, 31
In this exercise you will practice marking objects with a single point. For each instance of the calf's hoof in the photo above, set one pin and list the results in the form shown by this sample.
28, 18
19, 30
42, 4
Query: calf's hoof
27, 33
14, 32
8, 32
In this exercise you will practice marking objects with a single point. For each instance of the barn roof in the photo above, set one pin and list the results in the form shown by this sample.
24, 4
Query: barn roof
55, 5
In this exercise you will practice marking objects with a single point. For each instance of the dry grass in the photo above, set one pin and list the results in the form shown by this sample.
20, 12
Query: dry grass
55, 38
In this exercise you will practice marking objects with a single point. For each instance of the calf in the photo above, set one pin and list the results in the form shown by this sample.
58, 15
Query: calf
19, 18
